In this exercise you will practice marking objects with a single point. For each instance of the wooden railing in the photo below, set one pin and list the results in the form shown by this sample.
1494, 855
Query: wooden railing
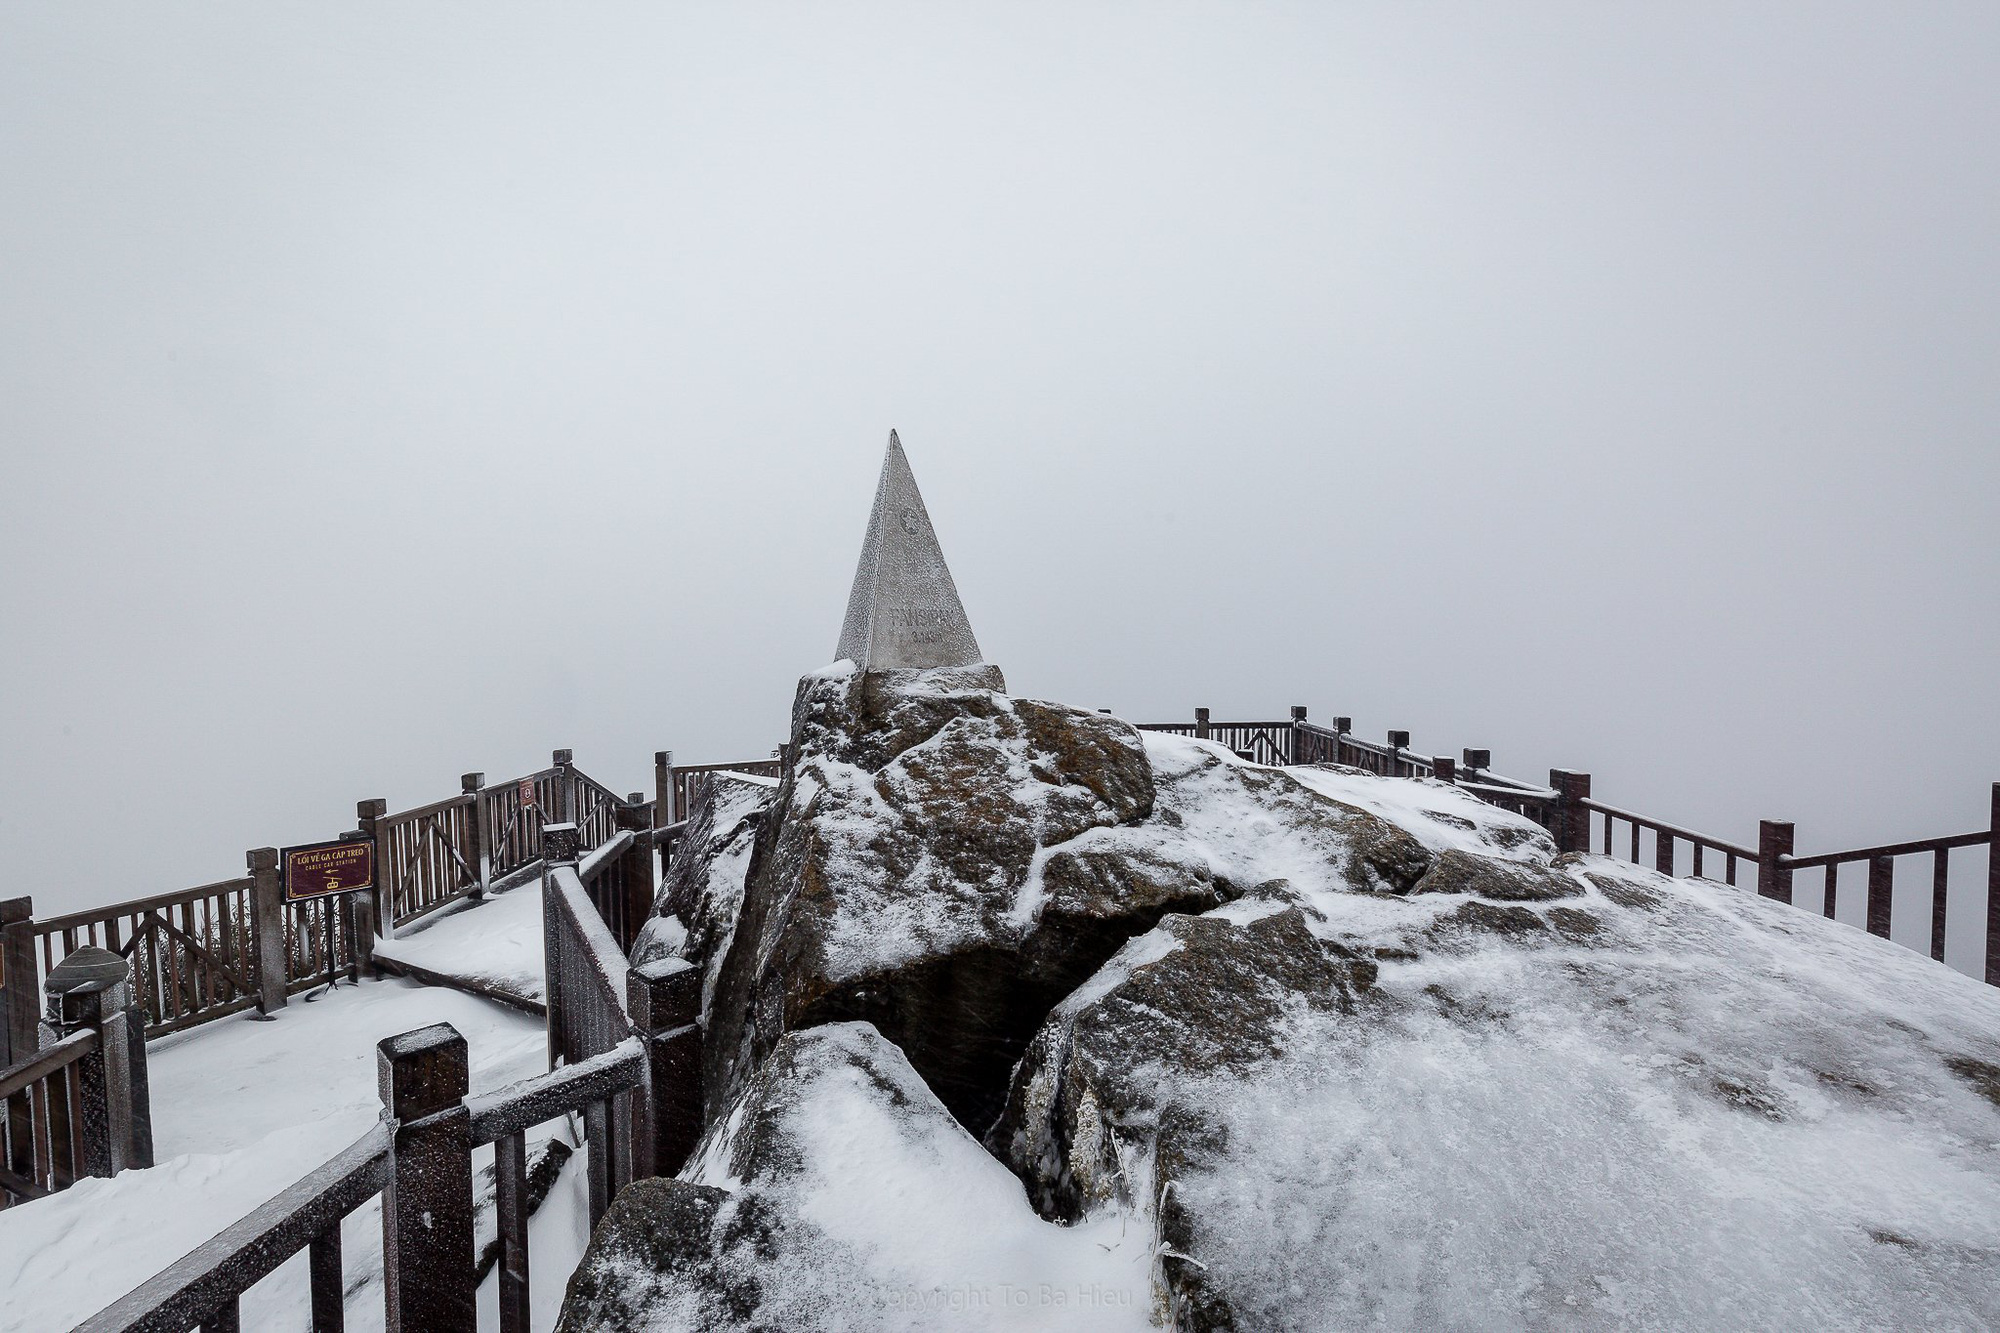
483, 839
675, 782
1665, 840
207, 952
1881, 882
1566, 808
624, 1053
79, 1105
38, 1139
192, 953
420, 1159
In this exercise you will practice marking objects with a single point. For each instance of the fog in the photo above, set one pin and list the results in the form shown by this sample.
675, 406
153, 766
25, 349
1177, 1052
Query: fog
388, 392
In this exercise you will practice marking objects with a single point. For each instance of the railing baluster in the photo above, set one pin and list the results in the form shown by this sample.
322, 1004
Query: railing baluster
61, 1153
1940, 885
1663, 853
1730, 868
1832, 890
227, 1318
597, 1135
329, 1305
1635, 842
1697, 860
1881, 894
510, 1168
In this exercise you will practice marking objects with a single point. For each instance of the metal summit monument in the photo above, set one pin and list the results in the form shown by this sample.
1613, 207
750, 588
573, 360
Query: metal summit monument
904, 610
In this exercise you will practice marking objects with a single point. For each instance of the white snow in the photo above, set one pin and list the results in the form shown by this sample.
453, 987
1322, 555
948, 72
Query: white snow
920, 1227
496, 943
1438, 815
1721, 1113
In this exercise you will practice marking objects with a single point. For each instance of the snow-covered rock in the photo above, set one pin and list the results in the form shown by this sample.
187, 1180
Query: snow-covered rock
1649, 1103
1262, 1048
897, 879
838, 1192
702, 891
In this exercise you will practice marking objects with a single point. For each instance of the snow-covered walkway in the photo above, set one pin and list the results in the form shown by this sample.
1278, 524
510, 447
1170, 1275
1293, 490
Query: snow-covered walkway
242, 1109
492, 947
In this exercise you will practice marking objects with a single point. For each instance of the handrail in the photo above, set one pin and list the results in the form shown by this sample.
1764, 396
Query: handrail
604, 854
1671, 830
607, 960
514, 784
220, 1269
421, 811
1917, 847
542, 1097
1511, 792
58, 1055
45, 925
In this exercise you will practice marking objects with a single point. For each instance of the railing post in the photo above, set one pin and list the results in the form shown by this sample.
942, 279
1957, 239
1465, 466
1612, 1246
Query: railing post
366, 813
1881, 894
664, 1000
1341, 726
565, 783
663, 792
427, 1276
1201, 724
479, 860
1297, 729
558, 848
267, 927
1572, 820
635, 872
1445, 769
1477, 762
1398, 741
1775, 840
1993, 892
20, 1023
88, 989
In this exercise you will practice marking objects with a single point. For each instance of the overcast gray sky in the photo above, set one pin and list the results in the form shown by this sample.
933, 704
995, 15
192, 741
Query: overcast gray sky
388, 391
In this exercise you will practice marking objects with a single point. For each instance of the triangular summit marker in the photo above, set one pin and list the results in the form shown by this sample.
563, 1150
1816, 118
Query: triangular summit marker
904, 610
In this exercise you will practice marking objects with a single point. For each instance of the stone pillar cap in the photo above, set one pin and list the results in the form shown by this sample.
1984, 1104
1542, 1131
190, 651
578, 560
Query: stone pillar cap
86, 970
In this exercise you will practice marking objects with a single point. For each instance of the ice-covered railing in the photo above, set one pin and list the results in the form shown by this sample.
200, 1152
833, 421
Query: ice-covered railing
1574, 818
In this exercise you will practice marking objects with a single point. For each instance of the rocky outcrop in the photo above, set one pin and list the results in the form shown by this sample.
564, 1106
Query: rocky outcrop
946, 863
894, 881
1276, 1049
701, 893
836, 1191
1572, 1096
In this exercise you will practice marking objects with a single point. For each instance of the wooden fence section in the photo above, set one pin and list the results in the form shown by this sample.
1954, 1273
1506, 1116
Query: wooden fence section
195, 952
480, 839
79, 1105
1566, 808
192, 952
624, 1054
217, 949
675, 782
39, 1137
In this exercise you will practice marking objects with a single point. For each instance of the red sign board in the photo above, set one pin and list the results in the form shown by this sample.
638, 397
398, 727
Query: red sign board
320, 868
527, 793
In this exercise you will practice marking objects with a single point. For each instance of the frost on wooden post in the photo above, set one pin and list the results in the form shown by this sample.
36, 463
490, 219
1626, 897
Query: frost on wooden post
904, 610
